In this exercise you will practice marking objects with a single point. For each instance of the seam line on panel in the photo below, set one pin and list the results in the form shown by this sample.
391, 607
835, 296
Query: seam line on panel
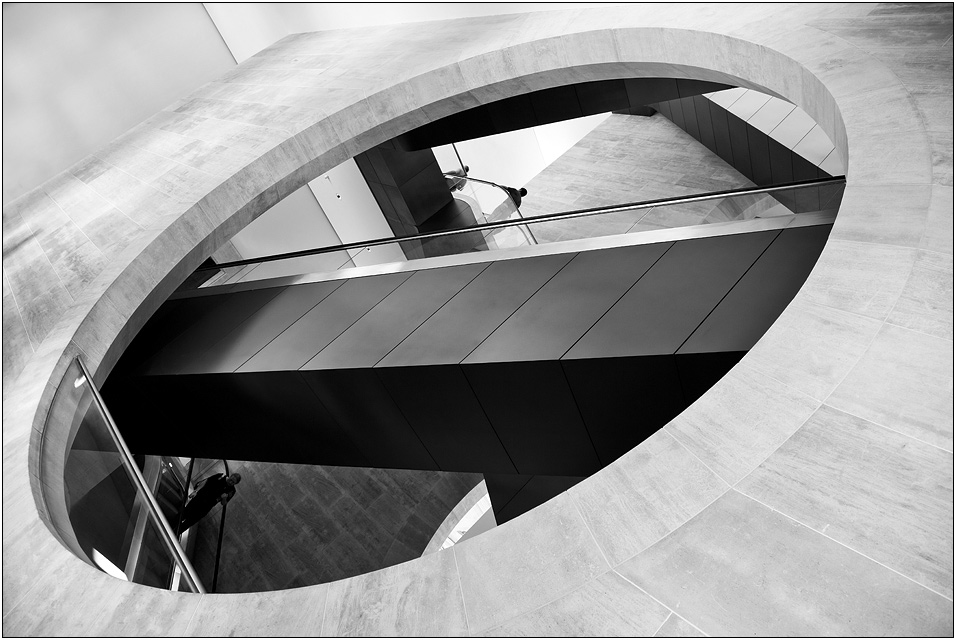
19, 311
471, 387
695, 456
325, 609
342, 282
852, 367
29, 590
530, 478
680, 383
518, 308
561, 595
584, 520
777, 448
669, 614
845, 546
70, 218
34, 236
141, 181
619, 298
193, 615
343, 429
357, 320
577, 408
398, 408
647, 593
856, 363
883, 426
923, 333
429, 317
676, 527
461, 590
727, 293
216, 342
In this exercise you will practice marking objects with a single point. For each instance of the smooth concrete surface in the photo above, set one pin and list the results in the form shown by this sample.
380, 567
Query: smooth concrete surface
806, 561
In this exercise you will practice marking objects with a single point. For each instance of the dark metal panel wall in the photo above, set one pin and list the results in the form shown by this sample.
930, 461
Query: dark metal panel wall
534, 413
371, 337
308, 335
550, 105
583, 358
555, 317
442, 408
453, 332
761, 295
662, 309
750, 151
358, 397
225, 316
513, 495
232, 349
624, 400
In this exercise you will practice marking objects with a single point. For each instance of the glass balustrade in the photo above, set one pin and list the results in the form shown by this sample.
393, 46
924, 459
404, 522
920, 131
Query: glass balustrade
119, 506
490, 220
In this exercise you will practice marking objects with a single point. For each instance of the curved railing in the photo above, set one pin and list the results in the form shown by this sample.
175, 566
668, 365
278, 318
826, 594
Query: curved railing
734, 205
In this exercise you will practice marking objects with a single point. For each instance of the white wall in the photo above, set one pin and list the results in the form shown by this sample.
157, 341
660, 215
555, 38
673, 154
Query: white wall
76, 76
515, 157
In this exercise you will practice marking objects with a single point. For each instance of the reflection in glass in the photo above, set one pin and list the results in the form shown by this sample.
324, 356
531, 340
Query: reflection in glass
111, 518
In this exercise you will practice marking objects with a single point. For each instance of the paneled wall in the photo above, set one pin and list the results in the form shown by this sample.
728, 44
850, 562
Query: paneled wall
547, 366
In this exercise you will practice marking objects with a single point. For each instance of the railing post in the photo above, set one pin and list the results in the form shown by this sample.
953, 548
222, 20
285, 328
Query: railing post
222, 528
165, 532
182, 509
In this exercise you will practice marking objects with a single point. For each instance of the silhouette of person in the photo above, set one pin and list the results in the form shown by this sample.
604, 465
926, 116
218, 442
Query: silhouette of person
517, 194
455, 180
218, 488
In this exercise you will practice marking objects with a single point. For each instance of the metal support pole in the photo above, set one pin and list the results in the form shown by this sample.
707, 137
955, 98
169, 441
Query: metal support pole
165, 531
222, 526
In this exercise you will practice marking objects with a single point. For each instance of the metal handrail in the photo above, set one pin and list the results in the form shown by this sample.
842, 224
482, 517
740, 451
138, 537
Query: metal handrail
528, 234
564, 215
165, 531
488, 182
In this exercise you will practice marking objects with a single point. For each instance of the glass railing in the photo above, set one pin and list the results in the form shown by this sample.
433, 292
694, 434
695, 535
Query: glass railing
119, 506
490, 202
499, 225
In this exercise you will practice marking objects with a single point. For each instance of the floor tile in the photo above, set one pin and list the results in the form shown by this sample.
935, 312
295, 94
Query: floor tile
876, 491
741, 569
412, 599
811, 347
859, 277
645, 495
608, 606
677, 627
741, 421
548, 556
926, 304
886, 215
904, 382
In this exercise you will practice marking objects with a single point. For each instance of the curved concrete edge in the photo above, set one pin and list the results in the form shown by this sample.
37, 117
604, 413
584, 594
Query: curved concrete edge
575, 551
454, 516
